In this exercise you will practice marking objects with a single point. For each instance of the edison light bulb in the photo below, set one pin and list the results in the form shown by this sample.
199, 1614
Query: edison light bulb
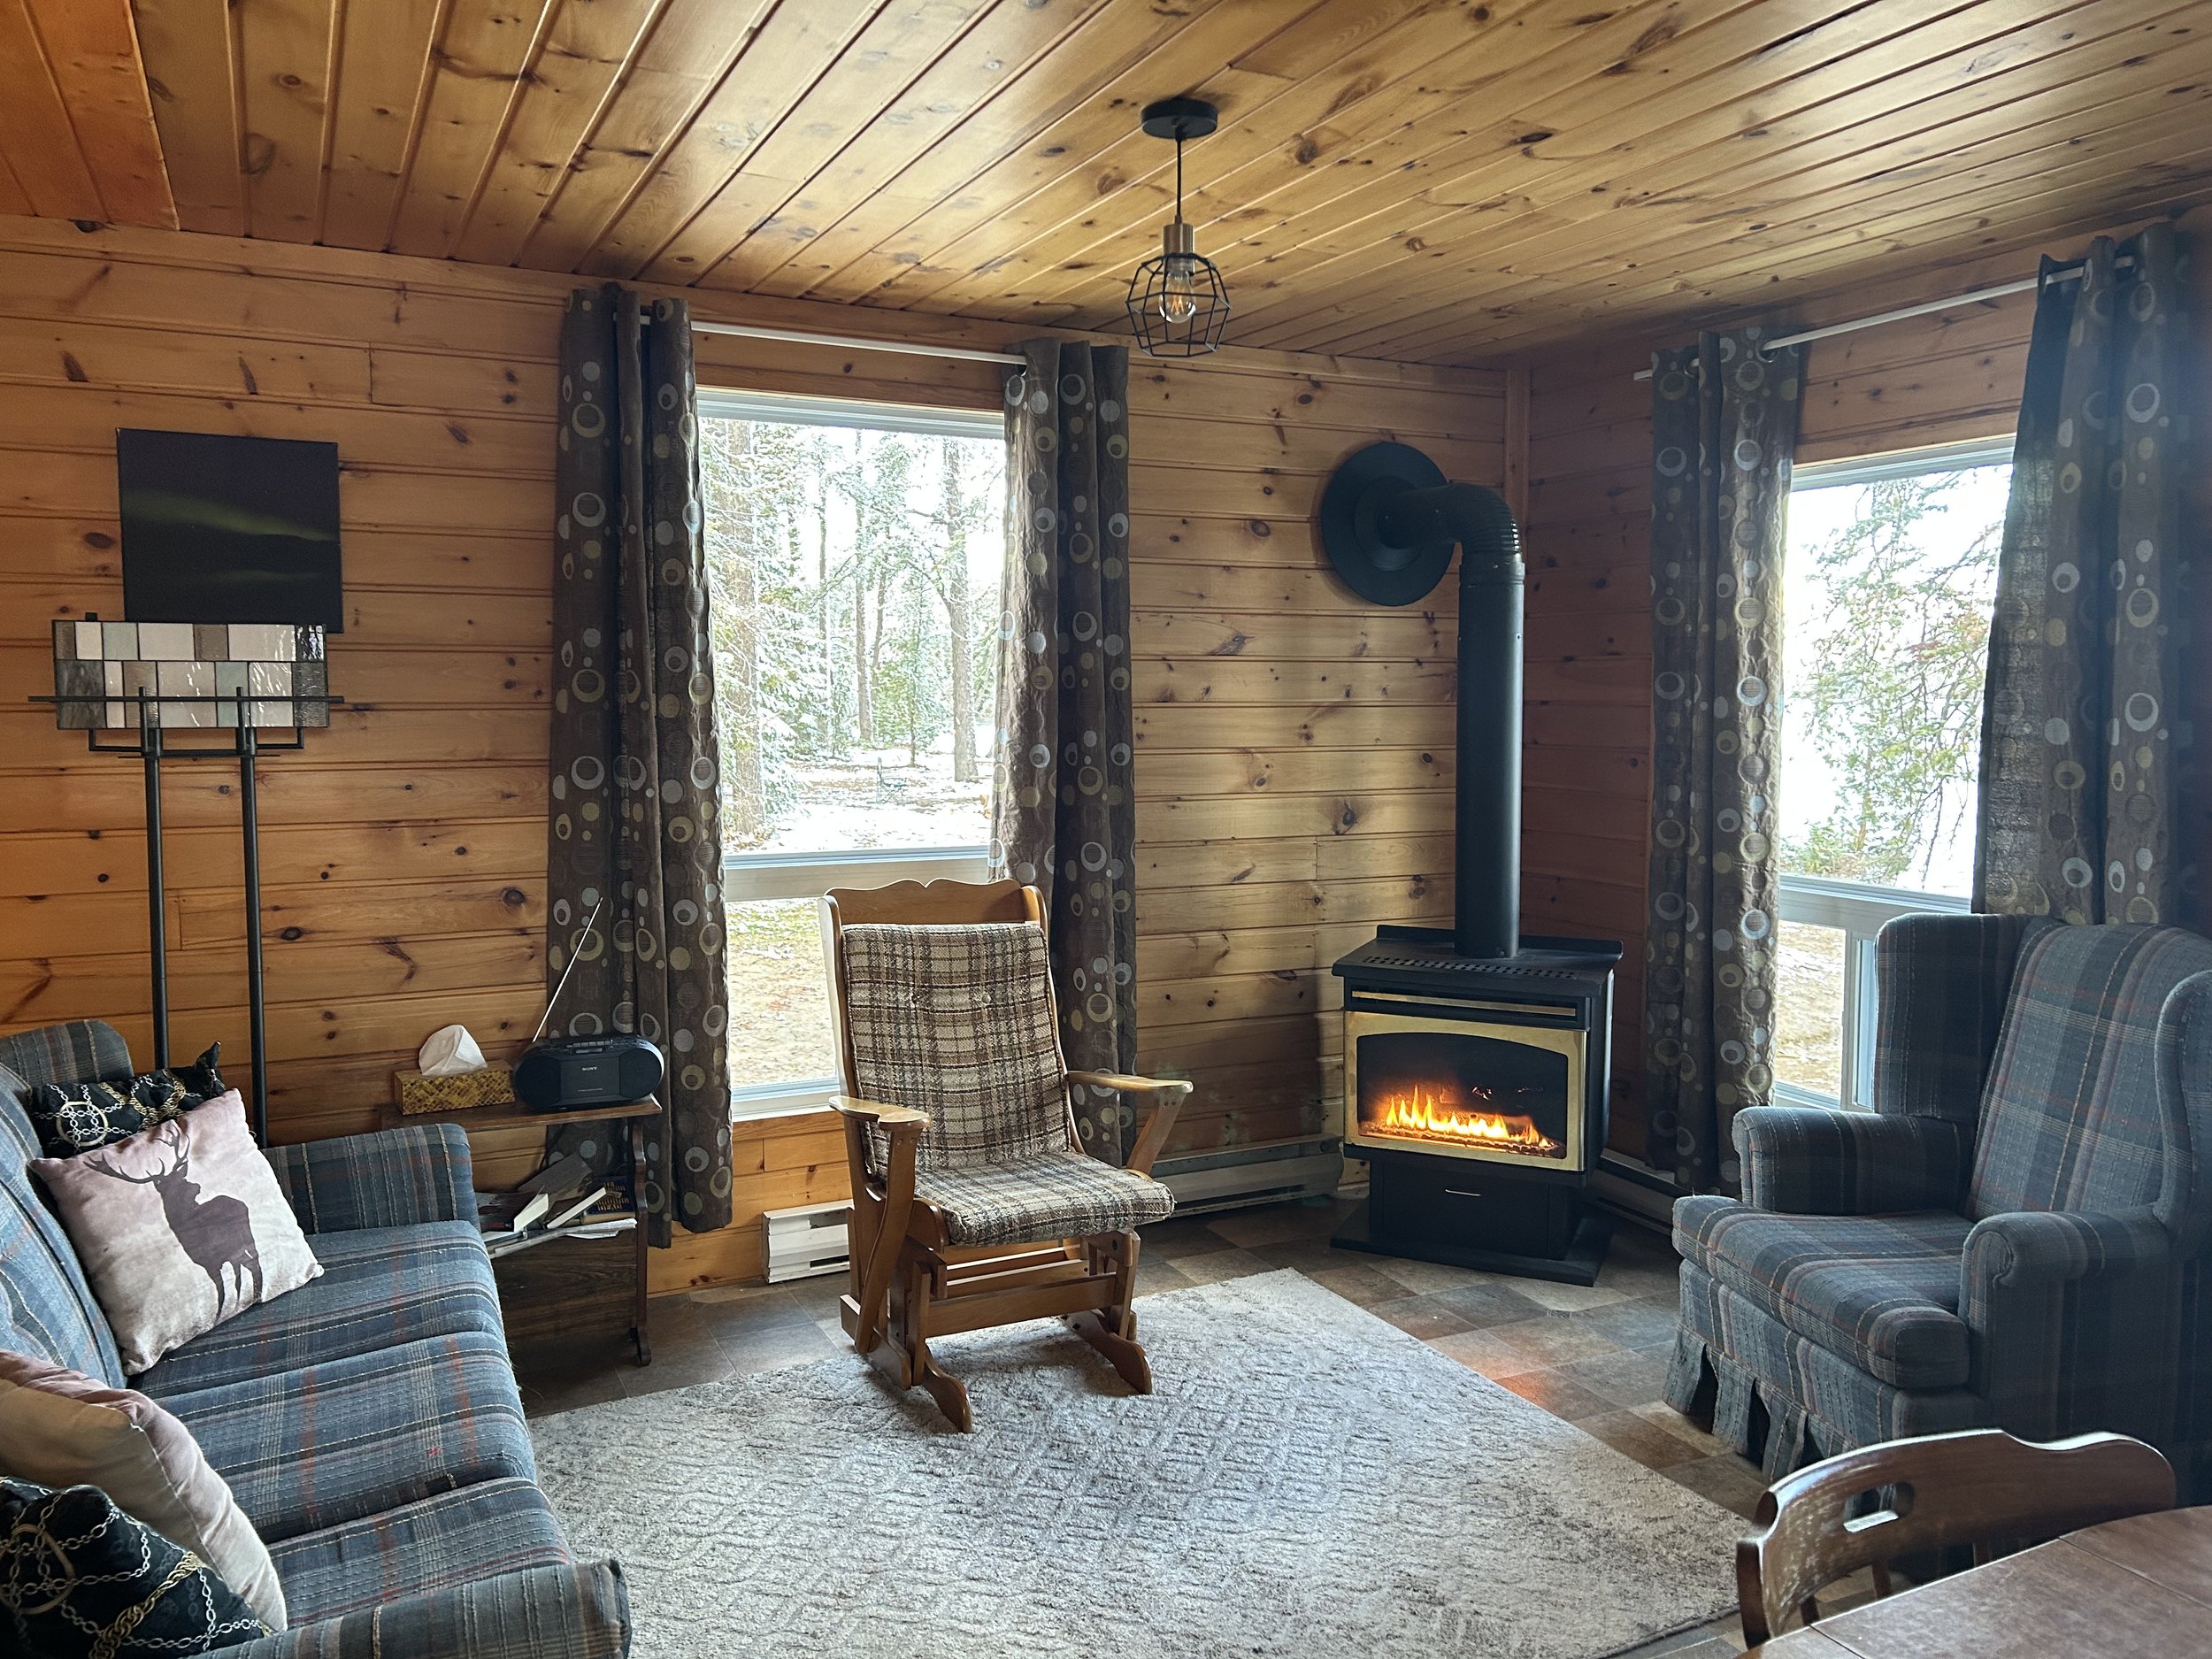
1178, 289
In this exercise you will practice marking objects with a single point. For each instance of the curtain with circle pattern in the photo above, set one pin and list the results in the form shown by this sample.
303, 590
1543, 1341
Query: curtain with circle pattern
1064, 817
2083, 709
1723, 427
634, 816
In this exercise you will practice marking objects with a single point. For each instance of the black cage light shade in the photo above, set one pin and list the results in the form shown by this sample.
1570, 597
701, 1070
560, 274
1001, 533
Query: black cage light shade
1178, 303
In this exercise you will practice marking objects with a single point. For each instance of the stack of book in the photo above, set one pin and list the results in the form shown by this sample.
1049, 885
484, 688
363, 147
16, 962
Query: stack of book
562, 1201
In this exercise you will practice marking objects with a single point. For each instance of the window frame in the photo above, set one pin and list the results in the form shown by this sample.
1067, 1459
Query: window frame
1860, 909
751, 877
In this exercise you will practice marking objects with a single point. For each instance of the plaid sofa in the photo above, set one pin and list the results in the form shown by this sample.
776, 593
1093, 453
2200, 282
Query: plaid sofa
368, 1422
2016, 1237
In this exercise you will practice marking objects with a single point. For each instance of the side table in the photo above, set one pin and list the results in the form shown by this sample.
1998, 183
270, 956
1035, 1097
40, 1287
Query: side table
632, 1113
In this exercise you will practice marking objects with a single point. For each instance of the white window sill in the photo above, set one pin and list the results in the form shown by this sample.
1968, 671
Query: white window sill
800, 1101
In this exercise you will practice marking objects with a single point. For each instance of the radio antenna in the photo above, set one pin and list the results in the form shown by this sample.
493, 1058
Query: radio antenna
574, 958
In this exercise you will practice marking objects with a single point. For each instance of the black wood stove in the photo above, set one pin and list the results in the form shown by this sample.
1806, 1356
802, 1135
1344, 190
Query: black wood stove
1476, 1071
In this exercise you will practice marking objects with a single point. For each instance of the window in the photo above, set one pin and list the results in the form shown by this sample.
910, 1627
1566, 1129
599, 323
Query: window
854, 553
1886, 595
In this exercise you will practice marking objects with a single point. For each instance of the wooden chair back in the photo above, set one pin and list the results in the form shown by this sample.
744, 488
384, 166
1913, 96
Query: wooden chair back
1980, 1487
915, 904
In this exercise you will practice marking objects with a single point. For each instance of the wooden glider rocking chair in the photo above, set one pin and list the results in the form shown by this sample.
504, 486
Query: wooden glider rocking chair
973, 1204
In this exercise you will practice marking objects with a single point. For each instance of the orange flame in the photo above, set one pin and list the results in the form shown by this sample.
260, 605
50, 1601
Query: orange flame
1421, 1114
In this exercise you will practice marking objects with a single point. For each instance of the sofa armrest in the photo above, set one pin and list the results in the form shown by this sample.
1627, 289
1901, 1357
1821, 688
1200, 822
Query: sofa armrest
2065, 1311
568, 1612
395, 1178
1815, 1161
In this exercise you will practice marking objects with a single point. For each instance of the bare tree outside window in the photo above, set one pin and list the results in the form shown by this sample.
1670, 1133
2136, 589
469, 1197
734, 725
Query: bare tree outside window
1887, 598
854, 572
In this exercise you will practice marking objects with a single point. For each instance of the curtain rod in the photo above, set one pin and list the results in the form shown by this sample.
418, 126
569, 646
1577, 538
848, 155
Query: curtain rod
856, 342
2063, 273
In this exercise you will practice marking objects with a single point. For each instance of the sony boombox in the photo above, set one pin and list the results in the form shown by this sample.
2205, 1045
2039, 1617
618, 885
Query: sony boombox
566, 1072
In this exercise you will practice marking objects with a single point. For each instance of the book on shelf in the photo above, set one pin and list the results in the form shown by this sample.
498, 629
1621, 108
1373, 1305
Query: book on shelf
510, 1214
602, 1226
595, 1196
564, 1175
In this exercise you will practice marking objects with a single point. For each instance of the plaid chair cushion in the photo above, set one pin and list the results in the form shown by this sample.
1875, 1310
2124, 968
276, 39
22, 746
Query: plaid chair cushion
47, 1309
392, 1179
381, 1287
1880, 1291
477, 1532
2072, 1119
1060, 1194
957, 1022
82, 1051
327, 1444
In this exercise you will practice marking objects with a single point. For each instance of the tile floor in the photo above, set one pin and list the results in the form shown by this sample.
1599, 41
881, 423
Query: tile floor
1594, 1356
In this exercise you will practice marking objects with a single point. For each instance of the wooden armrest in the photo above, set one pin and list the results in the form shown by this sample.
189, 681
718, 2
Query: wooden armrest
902, 1126
1131, 1084
1168, 1095
876, 1113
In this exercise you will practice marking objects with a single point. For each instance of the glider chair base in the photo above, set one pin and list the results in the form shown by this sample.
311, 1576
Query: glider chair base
1090, 1282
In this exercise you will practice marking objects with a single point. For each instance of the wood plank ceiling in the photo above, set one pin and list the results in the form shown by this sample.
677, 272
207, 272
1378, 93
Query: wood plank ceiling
1442, 180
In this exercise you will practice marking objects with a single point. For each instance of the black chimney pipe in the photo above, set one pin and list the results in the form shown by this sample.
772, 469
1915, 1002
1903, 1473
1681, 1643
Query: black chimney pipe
1487, 914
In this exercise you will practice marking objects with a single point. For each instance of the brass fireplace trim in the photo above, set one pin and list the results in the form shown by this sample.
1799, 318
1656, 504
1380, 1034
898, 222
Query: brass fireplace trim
1534, 1010
1572, 1045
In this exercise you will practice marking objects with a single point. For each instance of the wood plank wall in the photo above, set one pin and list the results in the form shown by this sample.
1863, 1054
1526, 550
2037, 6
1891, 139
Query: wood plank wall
1293, 769
1946, 377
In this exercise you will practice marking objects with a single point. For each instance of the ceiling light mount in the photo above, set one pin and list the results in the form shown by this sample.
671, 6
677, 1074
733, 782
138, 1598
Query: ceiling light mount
1178, 303
1180, 118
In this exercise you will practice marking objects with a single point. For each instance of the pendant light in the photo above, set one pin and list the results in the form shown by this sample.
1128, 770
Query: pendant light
1178, 303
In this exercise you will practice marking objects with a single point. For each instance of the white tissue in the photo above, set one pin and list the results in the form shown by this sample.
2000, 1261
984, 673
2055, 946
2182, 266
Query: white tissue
450, 1052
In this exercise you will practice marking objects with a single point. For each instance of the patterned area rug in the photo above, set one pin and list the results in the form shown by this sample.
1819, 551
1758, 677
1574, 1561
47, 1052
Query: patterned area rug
1306, 1480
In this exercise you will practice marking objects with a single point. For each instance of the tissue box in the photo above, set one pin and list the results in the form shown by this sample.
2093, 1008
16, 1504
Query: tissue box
494, 1086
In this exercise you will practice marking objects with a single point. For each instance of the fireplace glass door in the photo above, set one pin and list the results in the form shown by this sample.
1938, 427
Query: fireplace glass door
1465, 1088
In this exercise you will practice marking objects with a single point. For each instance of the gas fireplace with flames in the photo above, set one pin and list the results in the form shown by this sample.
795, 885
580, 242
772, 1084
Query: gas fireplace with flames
1475, 1071
1476, 1091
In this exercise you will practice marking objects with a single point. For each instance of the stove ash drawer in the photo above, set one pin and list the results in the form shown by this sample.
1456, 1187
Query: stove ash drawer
1483, 1206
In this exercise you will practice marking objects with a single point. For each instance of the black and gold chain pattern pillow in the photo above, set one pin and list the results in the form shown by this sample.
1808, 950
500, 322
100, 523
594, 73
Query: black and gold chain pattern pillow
78, 1577
73, 1118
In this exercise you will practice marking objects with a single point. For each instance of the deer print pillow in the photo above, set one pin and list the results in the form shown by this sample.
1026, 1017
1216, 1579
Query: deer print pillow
179, 1227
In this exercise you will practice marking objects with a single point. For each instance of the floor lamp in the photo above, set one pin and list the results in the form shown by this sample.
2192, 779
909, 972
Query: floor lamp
148, 679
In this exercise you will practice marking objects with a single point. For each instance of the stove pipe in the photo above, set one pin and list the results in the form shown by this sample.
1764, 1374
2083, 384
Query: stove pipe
1486, 921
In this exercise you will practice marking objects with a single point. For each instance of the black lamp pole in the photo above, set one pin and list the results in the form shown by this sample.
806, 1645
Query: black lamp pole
157, 916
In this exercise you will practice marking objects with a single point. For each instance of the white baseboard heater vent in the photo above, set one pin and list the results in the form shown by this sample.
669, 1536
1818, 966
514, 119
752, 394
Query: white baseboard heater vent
1633, 1188
1234, 1177
806, 1241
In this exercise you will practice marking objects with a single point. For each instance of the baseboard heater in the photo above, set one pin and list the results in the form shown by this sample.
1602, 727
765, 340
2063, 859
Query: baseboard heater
1634, 1189
1234, 1177
805, 1241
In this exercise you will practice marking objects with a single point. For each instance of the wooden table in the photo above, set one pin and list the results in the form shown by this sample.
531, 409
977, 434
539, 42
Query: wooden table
2141, 1588
634, 1113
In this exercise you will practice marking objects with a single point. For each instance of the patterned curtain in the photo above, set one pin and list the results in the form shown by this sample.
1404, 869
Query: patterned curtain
635, 817
1063, 814
2083, 706
1723, 426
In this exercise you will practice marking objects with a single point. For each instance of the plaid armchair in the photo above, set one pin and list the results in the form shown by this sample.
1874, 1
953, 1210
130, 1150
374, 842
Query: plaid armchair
2016, 1238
